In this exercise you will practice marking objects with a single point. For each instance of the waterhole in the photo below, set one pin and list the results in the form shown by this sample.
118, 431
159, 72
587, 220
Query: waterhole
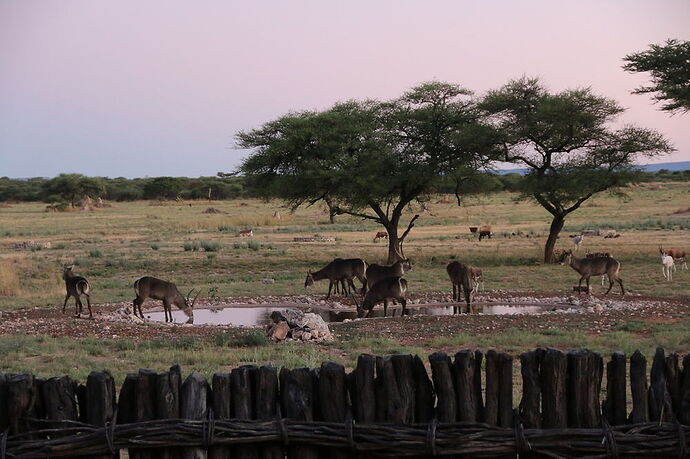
252, 316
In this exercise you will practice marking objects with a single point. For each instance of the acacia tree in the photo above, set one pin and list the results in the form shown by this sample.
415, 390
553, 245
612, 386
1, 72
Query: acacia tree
73, 187
370, 159
566, 142
669, 66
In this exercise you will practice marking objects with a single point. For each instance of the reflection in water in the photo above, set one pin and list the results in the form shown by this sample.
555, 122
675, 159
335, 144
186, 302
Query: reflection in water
260, 316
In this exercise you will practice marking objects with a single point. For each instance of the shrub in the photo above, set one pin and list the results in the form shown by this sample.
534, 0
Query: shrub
211, 246
255, 246
95, 253
155, 246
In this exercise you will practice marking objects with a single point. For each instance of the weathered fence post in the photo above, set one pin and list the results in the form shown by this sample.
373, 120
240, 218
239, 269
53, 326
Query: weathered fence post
167, 403
424, 392
491, 405
194, 395
615, 405
126, 403
684, 414
242, 404
553, 375
389, 405
297, 392
221, 410
673, 380
446, 408
332, 394
465, 391
362, 389
59, 400
505, 390
584, 384
638, 388
266, 398
402, 368
4, 415
21, 400
530, 404
660, 405
98, 407
144, 405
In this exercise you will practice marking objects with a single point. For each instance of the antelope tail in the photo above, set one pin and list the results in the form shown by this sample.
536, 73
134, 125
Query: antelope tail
136, 286
83, 287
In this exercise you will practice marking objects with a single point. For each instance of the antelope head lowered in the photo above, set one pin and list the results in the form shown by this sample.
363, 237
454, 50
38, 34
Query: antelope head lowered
167, 292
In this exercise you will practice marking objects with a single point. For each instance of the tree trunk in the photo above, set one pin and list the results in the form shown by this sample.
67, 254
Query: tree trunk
331, 217
394, 250
556, 227
331, 210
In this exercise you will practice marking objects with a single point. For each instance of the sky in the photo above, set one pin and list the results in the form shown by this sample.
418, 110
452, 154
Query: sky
160, 87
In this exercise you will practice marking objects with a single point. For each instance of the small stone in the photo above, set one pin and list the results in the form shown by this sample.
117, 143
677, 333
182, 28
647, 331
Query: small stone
306, 336
279, 331
268, 281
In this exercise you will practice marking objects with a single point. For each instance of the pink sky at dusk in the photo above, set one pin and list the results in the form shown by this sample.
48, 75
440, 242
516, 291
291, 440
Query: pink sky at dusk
151, 88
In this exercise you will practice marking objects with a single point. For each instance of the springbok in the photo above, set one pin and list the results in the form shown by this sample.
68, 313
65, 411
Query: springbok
376, 273
380, 235
150, 287
477, 278
339, 270
588, 267
577, 240
246, 233
461, 278
668, 266
677, 255
76, 286
390, 288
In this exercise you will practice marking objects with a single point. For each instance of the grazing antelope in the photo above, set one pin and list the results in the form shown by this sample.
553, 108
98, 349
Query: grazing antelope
461, 277
390, 288
150, 287
677, 255
588, 267
246, 233
668, 266
380, 235
76, 286
477, 278
339, 270
376, 273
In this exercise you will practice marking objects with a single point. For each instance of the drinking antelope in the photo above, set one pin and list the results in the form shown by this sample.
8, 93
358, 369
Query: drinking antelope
76, 286
380, 235
339, 270
461, 278
677, 255
150, 287
390, 288
588, 267
376, 273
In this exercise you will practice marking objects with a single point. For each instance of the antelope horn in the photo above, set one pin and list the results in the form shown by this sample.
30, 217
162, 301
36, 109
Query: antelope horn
355, 300
194, 300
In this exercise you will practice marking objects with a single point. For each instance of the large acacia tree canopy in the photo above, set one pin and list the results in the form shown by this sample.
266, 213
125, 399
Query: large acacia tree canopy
669, 66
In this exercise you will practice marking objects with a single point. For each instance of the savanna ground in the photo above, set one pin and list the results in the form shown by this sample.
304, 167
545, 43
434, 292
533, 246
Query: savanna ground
114, 246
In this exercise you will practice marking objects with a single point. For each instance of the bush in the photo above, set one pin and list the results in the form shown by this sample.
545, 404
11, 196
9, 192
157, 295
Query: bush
211, 246
255, 246
95, 253
155, 246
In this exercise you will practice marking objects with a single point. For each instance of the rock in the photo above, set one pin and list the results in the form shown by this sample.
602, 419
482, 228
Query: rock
297, 333
279, 331
306, 336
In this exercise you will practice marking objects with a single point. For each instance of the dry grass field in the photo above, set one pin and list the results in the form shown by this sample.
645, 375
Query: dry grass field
177, 241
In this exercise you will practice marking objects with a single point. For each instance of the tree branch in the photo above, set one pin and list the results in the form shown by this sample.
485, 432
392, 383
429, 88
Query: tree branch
409, 227
339, 211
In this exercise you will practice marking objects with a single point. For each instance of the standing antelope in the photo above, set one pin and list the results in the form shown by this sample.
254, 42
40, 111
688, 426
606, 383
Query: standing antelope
598, 255
339, 270
677, 255
376, 273
577, 240
76, 286
477, 278
461, 277
380, 235
588, 267
668, 266
150, 287
390, 288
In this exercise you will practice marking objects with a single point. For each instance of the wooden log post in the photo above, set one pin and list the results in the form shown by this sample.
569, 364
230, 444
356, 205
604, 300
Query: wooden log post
21, 400
221, 410
167, 403
442, 375
530, 404
4, 415
684, 413
59, 399
585, 370
479, 403
404, 379
242, 404
144, 406
98, 406
297, 393
362, 389
465, 392
505, 390
673, 380
424, 392
615, 405
390, 407
194, 395
491, 395
638, 388
553, 375
266, 403
660, 404
332, 395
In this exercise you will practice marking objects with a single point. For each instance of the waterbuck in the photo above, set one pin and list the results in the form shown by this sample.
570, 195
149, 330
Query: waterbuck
376, 273
339, 270
390, 288
76, 286
460, 276
150, 287
588, 267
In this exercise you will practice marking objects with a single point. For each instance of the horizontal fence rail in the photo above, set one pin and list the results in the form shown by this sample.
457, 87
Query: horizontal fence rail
385, 407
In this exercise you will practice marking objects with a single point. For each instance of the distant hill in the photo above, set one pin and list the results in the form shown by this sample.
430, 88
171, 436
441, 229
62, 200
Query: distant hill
677, 166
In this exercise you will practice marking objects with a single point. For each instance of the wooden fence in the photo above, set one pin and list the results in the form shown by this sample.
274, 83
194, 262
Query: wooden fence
385, 407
